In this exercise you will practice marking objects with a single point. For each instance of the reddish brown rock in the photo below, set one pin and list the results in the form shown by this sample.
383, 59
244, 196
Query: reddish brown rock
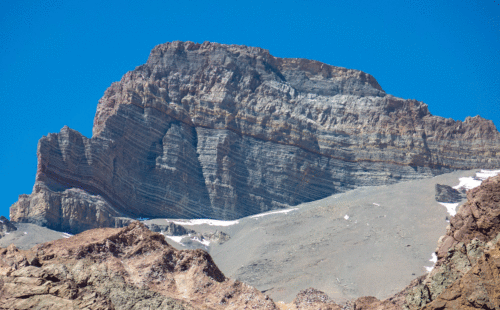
480, 216
479, 288
128, 268
464, 264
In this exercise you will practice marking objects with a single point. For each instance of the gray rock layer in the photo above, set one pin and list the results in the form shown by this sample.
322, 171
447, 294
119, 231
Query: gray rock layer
445, 193
6, 226
226, 131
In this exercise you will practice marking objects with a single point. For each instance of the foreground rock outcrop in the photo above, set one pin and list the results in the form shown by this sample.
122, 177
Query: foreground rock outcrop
224, 131
466, 275
135, 268
127, 268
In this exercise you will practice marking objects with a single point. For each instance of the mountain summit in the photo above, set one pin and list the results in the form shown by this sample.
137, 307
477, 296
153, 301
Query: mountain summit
225, 131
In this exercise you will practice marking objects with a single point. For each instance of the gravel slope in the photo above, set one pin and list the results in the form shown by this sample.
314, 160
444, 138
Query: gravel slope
385, 243
371, 241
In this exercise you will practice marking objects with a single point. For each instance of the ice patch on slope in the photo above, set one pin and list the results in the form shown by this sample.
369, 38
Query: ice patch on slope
450, 207
273, 212
204, 242
433, 260
204, 221
176, 239
468, 183
472, 182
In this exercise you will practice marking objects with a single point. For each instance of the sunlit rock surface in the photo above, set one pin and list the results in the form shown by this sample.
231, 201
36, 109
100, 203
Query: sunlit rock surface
225, 131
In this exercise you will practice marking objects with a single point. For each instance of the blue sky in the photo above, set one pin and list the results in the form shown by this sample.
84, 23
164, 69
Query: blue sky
58, 57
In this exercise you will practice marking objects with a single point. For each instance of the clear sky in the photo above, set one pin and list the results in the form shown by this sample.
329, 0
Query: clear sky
58, 57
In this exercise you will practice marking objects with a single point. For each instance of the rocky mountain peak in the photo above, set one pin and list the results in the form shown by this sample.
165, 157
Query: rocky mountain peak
180, 71
225, 131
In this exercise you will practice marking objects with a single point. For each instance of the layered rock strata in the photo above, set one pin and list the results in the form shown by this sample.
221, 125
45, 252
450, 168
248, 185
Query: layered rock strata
224, 131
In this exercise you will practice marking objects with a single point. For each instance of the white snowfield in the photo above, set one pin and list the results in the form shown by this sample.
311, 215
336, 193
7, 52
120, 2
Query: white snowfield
66, 235
469, 183
273, 212
204, 221
176, 239
450, 207
223, 223
472, 182
204, 242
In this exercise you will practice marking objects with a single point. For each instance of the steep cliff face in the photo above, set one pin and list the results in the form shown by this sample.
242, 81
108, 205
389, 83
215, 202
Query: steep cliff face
225, 131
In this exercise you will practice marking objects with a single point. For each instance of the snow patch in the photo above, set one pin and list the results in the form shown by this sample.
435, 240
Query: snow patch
346, 217
273, 212
468, 183
176, 239
204, 242
484, 174
433, 260
376, 204
450, 207
65, 236
25, 233
472, 182
204, 221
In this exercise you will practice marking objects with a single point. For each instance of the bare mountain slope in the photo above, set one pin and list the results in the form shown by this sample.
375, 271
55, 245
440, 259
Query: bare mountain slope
225, 131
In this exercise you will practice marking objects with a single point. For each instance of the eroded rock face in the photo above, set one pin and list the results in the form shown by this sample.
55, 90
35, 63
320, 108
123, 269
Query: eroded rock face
478, 288
466, 273
127, 268
478, 218
224, 131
